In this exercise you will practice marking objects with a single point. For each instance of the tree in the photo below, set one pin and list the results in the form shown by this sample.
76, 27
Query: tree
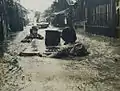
16, 14
52, 9
11, 17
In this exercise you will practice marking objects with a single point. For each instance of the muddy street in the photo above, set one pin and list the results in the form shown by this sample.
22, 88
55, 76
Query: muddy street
59, 45
99, 71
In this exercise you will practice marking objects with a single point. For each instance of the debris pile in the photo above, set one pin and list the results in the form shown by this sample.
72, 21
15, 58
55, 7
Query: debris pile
30, 54
77, 50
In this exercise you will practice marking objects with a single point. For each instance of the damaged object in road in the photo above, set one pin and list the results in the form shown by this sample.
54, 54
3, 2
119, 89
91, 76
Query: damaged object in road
33, 35
50, 50
30, 54
77, 50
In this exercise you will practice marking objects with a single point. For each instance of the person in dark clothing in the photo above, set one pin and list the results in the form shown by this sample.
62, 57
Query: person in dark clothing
34, 34
69, 35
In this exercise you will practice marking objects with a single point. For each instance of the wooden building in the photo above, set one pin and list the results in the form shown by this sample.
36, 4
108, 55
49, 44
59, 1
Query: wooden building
101, 17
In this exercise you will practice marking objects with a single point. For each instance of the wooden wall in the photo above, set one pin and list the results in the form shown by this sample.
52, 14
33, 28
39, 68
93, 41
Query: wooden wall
101, 17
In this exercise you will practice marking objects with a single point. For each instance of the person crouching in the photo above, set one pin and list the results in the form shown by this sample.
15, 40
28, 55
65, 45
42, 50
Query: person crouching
34, 33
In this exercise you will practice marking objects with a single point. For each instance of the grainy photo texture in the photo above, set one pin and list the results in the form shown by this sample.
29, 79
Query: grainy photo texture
59, 45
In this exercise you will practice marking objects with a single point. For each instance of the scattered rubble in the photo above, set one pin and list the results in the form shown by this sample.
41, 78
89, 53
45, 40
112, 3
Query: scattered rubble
75, 50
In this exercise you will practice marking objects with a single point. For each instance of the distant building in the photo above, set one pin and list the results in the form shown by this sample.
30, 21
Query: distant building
99, 16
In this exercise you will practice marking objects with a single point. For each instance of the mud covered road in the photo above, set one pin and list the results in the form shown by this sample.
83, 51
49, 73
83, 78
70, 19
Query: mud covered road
100, 71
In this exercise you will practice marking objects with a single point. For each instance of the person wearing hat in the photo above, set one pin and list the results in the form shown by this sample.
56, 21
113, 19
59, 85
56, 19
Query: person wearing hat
34, 33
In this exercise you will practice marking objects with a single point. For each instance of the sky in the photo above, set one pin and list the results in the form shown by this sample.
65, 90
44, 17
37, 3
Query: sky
39, 5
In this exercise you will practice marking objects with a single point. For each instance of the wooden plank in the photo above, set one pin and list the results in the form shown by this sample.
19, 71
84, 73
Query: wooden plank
36, 48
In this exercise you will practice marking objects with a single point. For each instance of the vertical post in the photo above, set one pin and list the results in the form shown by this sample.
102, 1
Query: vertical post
70, 17
113, 17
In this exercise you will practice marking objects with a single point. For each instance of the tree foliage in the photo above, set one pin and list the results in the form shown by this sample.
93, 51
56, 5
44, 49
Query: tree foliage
53, 8
14, 14
12, 17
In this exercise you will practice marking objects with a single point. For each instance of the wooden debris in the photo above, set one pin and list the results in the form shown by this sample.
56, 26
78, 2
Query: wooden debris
30, 54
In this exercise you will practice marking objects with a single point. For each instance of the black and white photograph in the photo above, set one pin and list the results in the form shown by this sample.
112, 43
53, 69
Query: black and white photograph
59, 45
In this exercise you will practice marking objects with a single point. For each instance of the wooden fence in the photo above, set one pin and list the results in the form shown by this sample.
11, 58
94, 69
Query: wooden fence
101, 16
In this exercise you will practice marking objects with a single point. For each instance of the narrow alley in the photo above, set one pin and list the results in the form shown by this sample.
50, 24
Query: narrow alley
26, 64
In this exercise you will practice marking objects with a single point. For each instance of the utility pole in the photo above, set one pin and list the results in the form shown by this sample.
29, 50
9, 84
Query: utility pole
113, 16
